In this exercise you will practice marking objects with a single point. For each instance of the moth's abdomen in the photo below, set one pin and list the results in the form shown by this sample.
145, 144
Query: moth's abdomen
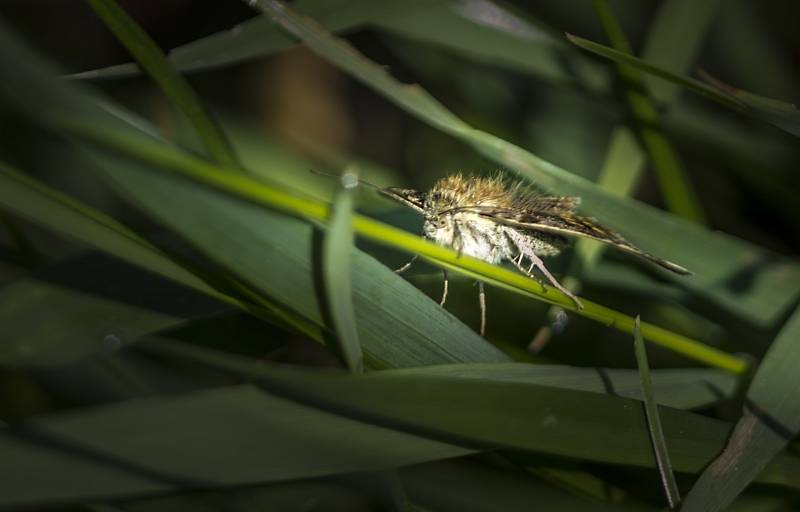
538, 243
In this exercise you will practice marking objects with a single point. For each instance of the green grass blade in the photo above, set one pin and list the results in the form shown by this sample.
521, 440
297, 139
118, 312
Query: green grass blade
676, 50
258, 36
174, 86
43, 205
715, 258
682, 80
787, 121
770, 421
92, 304
654, 422
154, 446
529, 418
676, 189
684, 388
336, 269
165, 158
526, 49
780, 113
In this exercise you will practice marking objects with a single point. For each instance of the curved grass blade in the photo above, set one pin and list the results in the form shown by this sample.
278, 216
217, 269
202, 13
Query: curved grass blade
770, 421
676, 189
174, 86
336, 270
41, 204
684, 388
258, 36
164, 158
45, 206
154, 446
654, 422
785, 120
780, 113
716, 259
529, 418
90, 304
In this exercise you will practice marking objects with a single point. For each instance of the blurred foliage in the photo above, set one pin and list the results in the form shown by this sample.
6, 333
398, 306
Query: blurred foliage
176, 337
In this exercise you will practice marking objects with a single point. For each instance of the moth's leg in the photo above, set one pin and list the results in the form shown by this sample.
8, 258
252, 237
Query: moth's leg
538, 263
482, 302
528, 272
444, 289
406, 266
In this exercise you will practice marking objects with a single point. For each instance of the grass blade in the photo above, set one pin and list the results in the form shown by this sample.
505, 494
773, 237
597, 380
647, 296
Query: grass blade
678, 193
684, 388
785, 120
174, 86
258, 36
529, 418
654, 422
93, 304
39, 203
780, 113
770, 421
336, 269
154, 446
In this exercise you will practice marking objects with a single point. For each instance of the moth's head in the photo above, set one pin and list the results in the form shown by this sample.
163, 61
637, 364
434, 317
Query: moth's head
439, 226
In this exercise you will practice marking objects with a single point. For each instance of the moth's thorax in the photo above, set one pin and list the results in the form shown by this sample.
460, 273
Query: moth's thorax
456, 191
477, 235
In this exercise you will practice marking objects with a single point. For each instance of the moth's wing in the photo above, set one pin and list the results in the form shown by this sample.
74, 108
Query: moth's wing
573, 225
414, 199
547, 205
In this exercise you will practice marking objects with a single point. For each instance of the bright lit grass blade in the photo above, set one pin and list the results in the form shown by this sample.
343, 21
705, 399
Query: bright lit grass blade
174, 86
654, 421
677, 190
166, 158
336, 271
770, 421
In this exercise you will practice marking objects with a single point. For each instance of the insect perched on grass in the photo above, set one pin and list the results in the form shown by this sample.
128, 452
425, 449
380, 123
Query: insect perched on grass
496, 219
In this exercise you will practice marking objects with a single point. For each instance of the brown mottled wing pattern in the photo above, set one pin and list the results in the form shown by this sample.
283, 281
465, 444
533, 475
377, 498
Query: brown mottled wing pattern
557, 215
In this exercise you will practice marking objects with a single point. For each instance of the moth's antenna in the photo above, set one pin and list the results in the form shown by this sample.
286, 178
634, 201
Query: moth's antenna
334, 175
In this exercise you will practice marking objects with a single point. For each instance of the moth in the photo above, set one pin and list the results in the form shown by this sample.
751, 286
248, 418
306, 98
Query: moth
495, 220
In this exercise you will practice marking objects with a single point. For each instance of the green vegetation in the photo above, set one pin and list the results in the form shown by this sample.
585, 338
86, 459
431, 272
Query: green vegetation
193, 320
